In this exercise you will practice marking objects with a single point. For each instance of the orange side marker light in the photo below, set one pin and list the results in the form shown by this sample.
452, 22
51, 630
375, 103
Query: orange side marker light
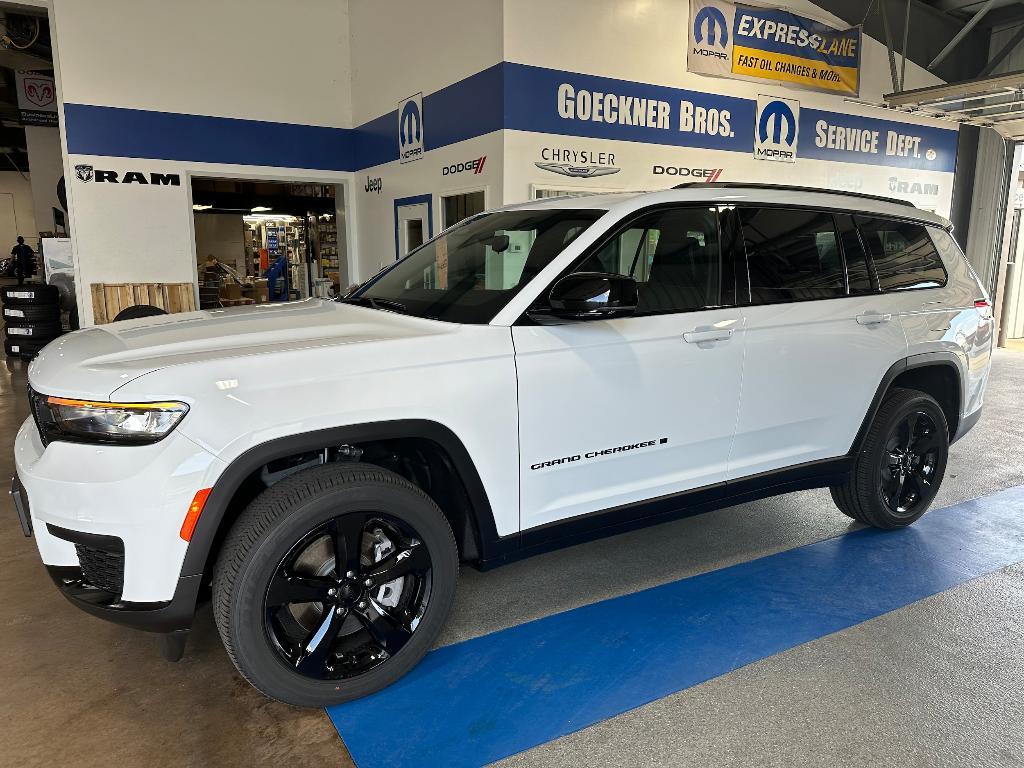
195, 509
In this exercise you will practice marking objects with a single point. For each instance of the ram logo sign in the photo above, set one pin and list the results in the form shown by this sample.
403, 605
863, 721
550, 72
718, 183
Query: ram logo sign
410, 129
777, 129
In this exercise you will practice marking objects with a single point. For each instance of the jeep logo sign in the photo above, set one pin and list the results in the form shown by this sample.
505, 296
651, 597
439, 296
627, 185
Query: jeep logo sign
776, 130
88, 173
410, 129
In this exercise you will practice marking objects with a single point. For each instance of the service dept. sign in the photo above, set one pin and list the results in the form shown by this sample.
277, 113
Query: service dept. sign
755, 43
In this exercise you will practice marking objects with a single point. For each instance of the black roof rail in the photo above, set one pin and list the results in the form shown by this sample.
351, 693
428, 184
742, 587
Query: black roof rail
787, 188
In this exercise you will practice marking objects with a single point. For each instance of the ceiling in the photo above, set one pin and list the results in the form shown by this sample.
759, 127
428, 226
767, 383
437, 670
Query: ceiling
24, 44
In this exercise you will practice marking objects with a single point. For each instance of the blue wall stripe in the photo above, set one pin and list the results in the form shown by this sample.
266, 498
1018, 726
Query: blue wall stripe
121, 132
507, 95
484, 699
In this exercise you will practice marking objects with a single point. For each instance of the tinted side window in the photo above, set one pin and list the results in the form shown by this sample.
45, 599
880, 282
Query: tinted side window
903, 254
858, 273
672, 254
792, 255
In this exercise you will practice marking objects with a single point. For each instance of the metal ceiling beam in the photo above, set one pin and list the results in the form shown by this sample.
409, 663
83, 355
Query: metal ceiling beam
978, 16
961, 91
1005, 51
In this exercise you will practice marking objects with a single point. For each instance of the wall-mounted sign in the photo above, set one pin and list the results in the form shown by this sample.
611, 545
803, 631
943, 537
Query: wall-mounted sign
754, 43
410, 129
580, 163
776, 129
89, 173
37, 98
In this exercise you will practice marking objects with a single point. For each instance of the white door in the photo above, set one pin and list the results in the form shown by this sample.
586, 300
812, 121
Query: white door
817, 343
414, 229
623, 410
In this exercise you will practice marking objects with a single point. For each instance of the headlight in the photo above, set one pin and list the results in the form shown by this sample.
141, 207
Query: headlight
102, 422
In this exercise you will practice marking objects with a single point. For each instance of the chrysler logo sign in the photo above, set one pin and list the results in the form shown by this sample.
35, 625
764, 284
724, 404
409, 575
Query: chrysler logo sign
580, 163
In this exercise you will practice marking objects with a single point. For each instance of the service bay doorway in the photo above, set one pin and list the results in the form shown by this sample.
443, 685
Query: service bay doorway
414, 223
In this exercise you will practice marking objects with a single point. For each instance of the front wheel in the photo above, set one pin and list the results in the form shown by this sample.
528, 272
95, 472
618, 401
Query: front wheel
900, 466
334, 583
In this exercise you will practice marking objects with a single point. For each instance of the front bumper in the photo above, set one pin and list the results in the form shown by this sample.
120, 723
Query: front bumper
106, 521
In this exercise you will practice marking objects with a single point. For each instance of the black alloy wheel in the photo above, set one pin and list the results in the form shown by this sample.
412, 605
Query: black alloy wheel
348, 596
333, 583
900, 463
909, 463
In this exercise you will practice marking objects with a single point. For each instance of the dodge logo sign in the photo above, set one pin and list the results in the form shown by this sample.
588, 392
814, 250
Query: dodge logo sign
703, 174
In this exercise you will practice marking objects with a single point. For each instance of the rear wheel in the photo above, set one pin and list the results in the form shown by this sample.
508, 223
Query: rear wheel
334, 583
901, 464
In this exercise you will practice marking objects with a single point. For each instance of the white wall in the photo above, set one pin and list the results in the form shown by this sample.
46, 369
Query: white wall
402, 47
16, 217
261, 59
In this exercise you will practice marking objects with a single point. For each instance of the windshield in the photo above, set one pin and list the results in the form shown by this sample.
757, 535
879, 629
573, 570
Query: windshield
467, 274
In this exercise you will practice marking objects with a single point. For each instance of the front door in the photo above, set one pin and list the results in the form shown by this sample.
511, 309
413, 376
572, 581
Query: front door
624, 410
414, 228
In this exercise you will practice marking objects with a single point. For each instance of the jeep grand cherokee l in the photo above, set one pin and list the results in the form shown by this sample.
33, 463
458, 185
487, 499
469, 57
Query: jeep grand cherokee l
533, 376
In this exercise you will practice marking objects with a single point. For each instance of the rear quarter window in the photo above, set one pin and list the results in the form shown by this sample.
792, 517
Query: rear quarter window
903, 254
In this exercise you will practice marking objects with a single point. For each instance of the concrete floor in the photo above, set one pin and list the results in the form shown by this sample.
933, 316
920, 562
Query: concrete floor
936, 683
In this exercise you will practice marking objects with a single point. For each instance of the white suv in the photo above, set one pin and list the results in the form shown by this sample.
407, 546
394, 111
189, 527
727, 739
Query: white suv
532, 377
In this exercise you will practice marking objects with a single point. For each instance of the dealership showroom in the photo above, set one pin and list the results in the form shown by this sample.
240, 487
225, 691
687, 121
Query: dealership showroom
521, 382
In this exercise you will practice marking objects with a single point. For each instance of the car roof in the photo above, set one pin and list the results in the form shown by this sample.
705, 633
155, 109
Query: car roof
732, 193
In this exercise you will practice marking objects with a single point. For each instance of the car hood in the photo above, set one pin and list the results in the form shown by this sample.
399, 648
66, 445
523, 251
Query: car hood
92, 363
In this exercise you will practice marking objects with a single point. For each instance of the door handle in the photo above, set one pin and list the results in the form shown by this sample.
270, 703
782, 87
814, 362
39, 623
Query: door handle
698, 335
873, 318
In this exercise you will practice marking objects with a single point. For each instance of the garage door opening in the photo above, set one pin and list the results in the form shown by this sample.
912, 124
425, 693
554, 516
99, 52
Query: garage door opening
267, 241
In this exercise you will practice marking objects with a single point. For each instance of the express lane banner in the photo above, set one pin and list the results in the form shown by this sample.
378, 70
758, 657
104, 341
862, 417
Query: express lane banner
770, 44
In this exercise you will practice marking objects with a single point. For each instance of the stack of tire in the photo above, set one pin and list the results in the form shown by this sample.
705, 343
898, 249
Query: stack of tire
31, 318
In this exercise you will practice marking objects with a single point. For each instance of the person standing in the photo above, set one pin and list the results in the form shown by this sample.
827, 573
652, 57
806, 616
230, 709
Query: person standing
24, 260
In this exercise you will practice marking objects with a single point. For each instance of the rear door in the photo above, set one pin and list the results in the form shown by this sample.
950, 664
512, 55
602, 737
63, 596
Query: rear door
623, 410
819, 339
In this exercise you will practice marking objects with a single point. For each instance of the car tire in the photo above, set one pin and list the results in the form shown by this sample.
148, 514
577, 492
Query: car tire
35, 331
26, 350
32, 313
29, 293
299, 651
901, 463
139, 310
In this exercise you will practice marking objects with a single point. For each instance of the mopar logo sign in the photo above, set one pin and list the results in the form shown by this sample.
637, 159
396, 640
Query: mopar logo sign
777, 128
709, 36
410, 129
710, 21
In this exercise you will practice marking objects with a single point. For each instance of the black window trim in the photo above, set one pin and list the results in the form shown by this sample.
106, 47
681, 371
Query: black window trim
739, 256
621, 226
871, 257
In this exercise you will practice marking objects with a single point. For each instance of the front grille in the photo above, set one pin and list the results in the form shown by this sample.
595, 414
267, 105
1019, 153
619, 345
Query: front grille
101, 569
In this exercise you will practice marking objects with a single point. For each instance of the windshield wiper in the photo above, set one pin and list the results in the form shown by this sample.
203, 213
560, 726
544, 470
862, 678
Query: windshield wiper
376, 303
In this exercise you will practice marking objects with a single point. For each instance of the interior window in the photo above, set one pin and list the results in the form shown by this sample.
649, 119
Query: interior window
792, 255
672, 254
903, 254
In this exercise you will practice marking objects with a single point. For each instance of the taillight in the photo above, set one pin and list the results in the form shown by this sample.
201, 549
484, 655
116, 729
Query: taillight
983, 307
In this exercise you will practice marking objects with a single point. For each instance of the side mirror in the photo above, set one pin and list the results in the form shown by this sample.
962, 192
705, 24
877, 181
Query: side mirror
593, 296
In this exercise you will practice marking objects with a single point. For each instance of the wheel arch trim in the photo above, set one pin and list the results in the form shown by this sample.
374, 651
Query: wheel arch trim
231, 479
940, 358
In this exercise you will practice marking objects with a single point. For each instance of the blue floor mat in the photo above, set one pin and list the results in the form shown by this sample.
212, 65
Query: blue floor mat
478, 701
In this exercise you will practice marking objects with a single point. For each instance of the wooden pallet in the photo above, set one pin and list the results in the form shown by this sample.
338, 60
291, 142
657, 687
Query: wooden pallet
110, 298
